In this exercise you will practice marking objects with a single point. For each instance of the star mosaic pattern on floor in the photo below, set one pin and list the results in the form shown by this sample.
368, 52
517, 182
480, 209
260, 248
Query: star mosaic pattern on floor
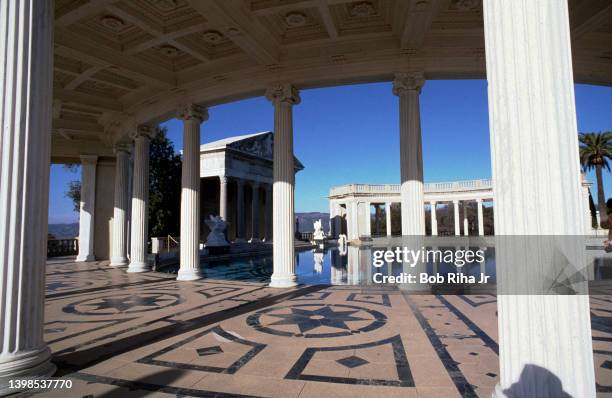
134, 335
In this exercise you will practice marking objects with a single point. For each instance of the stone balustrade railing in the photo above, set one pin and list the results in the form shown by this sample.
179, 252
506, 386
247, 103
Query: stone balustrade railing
453, 186
62, 247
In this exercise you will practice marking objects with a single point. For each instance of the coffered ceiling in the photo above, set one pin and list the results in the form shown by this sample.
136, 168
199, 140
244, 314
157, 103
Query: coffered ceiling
122, 62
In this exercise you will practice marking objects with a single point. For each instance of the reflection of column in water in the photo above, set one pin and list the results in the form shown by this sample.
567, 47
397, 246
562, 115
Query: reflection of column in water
353, 265
434, 261
483, 265
414, 243
365, 264
338, 268
318, 262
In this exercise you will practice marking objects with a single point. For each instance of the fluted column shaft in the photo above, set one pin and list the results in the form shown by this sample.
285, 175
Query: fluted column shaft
268, 213
388, 217
255, 213
240, 212
434, 218
223, 197
408, 88
367, 226
119, 238
140, 200
338, 220
87, 208
283, 98
192, 116
26, 73
353, 220
545, 340
480, 217
456, 217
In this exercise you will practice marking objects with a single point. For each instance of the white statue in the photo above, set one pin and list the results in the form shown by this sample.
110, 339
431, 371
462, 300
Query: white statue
318, 234
216, 237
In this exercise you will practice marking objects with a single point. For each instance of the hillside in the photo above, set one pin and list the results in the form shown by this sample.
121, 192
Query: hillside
306, 221
64, 230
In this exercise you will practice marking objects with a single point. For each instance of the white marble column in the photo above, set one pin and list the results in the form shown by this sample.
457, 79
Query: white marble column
388, 217
332, 215
119, 233
367, 226
240, 213
223, 197
352, 220
408, 88
480, 217
26, 74
140, 199
545, 341
268, 213
456, 214
87, 208
192, 116
434, 218
283, 98
466, 224
338, 219
255, 213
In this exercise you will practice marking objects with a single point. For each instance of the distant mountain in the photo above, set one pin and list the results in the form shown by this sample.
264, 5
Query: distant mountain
64, 230
306, 221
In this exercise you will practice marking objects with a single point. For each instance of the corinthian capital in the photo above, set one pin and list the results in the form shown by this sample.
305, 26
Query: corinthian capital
405, 82
192, 111
144, 130
283, 93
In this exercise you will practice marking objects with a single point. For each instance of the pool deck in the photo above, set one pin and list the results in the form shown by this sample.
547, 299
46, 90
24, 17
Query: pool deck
133, 335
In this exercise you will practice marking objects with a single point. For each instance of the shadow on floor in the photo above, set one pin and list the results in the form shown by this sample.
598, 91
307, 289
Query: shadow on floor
536, 381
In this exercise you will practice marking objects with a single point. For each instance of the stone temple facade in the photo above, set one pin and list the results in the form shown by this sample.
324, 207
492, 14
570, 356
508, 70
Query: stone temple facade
236, 178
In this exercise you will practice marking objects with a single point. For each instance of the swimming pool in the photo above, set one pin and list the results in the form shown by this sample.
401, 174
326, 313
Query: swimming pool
330, 266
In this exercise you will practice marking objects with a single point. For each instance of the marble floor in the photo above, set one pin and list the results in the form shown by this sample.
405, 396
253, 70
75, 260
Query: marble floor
134, 335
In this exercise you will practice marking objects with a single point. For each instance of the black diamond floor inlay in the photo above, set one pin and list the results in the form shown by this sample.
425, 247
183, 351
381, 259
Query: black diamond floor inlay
492, 375
209, 350
607, 365
352, 361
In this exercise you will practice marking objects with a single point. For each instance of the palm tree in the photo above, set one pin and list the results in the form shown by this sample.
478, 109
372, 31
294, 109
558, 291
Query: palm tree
595, 151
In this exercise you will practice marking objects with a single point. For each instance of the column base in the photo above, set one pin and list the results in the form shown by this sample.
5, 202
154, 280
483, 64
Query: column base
498, 392
283, 281
118, 262
189, 274
85, 258
32, 364
138, 267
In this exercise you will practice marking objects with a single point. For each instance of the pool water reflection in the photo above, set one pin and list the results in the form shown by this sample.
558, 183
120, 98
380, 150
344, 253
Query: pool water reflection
330, 266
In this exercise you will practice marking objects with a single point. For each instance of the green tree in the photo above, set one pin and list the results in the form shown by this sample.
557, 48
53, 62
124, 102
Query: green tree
74, 187
595, 151
164, 187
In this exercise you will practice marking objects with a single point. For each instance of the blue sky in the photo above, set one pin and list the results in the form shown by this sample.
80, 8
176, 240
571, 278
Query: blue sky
350, 134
